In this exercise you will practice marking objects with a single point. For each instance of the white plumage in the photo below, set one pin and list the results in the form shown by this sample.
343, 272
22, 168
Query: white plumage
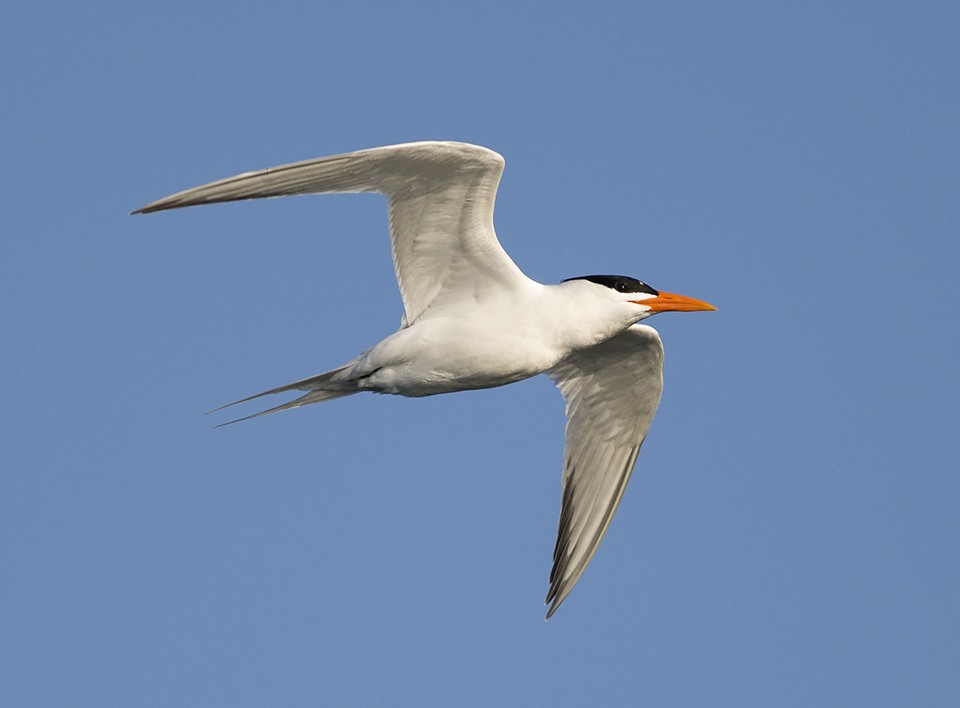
472, 319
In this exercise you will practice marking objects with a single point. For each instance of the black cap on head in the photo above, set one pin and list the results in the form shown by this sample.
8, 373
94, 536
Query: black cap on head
620, 283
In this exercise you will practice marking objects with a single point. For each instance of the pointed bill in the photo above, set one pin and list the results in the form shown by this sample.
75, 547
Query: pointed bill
670, 302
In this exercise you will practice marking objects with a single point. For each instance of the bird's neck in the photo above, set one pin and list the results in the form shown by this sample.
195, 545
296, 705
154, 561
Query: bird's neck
575, 319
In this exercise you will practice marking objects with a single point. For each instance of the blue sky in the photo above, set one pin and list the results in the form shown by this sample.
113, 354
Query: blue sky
790, 536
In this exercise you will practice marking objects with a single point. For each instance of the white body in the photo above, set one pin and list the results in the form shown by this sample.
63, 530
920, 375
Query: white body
472, 320
493, 342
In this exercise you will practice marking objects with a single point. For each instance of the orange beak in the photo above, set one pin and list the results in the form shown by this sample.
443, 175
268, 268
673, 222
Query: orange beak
668, 302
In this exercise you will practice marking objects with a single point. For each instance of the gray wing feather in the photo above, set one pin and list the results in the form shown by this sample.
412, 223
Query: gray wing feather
612, 391
441, 197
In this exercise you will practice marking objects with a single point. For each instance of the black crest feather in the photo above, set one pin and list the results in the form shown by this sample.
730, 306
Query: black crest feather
620, 283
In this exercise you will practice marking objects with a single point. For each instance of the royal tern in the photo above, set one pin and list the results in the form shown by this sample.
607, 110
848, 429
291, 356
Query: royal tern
473, 320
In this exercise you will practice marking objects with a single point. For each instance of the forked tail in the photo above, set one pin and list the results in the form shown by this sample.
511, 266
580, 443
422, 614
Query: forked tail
319, 388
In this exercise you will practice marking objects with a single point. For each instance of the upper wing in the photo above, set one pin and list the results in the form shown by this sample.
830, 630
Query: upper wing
441, 197
612, 392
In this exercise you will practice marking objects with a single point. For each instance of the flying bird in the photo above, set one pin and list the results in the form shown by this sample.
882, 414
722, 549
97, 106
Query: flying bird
473, 320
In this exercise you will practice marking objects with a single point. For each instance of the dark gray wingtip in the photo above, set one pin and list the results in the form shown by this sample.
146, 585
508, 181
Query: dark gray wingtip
162, 205
151, 207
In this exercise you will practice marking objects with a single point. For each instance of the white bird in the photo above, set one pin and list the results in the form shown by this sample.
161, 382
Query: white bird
473, 320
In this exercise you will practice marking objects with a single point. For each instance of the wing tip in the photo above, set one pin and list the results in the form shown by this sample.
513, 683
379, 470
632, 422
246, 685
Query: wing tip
174, 201
158, 205
551, 610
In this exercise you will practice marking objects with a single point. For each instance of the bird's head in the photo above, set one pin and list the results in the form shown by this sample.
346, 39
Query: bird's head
642, 300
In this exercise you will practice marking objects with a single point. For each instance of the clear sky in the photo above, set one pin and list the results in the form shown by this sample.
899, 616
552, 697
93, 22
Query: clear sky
790, 536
